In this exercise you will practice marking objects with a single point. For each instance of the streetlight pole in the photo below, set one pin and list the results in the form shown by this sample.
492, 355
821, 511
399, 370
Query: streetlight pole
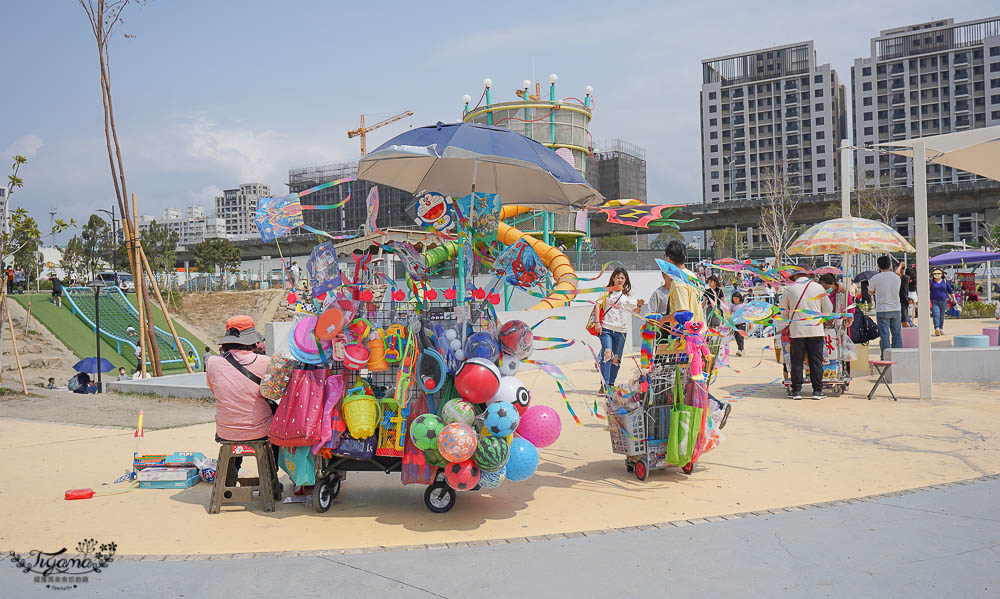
98, 284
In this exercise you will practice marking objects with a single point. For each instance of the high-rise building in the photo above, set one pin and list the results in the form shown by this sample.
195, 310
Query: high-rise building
766, 114
237, 208
617, 169
393, 203
192, 227
924, 79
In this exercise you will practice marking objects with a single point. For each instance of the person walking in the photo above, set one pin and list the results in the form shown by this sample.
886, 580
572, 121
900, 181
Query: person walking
804, 297
205, 356
885, 287
9, 274
296, 274
57, 290
20, 280
616, 317
941, 293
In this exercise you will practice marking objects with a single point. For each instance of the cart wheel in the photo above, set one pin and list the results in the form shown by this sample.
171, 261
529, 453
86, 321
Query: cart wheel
323, 493
687, 468
838, 389
439, 497
640, 470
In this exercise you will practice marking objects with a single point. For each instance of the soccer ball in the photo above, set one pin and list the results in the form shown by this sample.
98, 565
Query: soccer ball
457, 410
434, 458
516, 339
462, 476
501, 418
424, 431
513, 390
509, 366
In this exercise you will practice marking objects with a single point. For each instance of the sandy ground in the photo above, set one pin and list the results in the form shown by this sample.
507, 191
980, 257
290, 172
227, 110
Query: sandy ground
106, 409
777, 453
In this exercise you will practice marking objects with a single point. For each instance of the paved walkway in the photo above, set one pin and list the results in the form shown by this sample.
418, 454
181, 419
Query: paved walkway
938, 542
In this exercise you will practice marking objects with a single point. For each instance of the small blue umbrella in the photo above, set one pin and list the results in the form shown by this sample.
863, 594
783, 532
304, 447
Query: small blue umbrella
455, 158
91, 365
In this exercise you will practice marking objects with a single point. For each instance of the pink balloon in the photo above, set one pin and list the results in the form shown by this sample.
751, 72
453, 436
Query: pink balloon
540, 425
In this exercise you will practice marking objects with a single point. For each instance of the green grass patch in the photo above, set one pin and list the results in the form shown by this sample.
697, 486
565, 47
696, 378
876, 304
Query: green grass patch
80, 339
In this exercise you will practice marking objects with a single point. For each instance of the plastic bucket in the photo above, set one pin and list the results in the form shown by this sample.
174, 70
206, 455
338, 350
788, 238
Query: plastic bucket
361, 414
356, 357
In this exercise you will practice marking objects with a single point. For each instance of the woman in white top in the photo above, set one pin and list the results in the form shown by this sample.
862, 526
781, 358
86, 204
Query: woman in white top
618, 307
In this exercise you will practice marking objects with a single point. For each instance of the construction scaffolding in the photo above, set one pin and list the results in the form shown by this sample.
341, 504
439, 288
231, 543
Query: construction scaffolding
618, 170
393, 203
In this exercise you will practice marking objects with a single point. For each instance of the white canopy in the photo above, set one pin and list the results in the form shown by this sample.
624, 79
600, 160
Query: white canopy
976, 150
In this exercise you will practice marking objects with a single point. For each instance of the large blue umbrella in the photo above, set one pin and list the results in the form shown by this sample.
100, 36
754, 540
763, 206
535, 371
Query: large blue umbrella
456, 158
964, 256
91, 365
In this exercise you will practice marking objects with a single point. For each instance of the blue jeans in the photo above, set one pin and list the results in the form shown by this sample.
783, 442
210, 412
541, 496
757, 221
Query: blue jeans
938, 308
889, 323
614, 341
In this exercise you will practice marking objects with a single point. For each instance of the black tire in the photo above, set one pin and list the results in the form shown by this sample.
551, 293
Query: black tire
629, 467
687, 468
439, 497
641, 470
323, 493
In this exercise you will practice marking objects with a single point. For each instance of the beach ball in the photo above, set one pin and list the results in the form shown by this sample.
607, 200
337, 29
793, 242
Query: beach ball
482, 345
501, 418
512, 390
463, 476
477, 380
540, 425
434, 458
491, 480
457, 442
523, 460
424, 431
509, 367
457, 410
516, 339
491, 453
208, 474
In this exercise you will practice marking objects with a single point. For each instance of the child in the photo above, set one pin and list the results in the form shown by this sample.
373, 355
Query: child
52, 383
737, 299
122, 376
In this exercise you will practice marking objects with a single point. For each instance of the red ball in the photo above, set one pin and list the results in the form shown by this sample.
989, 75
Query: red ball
477, 380
462, 476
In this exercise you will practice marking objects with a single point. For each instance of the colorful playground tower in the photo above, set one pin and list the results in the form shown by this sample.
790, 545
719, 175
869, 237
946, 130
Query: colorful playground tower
559, 124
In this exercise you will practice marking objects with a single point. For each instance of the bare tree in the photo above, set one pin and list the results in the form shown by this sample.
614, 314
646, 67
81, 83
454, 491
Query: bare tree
105, 17
990, 231
878, 202
775, 220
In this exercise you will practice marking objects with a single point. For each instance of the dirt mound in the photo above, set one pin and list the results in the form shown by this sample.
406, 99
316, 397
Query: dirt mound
42, 354
206, 313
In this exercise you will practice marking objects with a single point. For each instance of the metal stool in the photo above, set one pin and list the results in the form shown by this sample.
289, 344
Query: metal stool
243, 489
882, 367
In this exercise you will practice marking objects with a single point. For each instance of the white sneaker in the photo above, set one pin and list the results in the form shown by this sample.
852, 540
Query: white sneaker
819, 396
797, 396
739, 353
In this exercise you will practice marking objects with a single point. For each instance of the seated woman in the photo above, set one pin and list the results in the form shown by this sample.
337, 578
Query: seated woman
241, 412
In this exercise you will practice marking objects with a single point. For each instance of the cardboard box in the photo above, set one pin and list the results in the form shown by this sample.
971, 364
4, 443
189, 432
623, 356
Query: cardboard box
178, 459
159, 473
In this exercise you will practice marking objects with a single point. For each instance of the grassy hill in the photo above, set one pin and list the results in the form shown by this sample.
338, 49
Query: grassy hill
80, 339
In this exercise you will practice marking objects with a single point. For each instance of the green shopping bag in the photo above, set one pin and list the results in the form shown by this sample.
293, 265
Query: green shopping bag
299, 464
685, 423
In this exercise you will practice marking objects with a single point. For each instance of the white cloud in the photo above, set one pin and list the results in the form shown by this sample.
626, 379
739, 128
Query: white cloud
26, 145
204, 196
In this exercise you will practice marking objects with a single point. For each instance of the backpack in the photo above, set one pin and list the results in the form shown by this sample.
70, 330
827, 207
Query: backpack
863, 329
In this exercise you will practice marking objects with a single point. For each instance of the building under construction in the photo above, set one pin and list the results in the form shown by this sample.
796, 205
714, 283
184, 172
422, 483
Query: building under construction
351, 216
617, 169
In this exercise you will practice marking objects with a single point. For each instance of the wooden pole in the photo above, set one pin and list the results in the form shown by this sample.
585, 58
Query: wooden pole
153, 346
163, 307
137, 275
13, 336
27, 320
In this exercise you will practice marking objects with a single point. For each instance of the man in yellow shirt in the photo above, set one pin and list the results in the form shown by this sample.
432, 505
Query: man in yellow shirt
684, 297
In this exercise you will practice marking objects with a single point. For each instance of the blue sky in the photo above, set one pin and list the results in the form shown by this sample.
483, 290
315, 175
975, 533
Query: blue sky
213, 93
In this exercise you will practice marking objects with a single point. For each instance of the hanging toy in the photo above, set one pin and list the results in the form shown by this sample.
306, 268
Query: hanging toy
394, 342
697, 348
376, 349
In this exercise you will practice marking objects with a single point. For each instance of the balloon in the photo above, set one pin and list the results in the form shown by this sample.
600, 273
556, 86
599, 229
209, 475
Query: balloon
457, 442
523, 460
540, 425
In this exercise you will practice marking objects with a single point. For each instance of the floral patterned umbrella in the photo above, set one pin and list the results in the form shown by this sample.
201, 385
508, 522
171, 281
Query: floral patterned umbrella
849, 236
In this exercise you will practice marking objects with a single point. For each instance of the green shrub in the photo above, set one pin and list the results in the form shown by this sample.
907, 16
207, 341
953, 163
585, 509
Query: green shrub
978, 310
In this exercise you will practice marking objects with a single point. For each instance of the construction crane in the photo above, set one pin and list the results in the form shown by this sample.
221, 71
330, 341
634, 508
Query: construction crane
362, 130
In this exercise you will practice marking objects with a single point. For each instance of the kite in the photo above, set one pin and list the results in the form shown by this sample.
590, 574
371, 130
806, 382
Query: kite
434, 211
635, 214
371, 205
519, 265
482, 218
276, 217
677, 274
323, 269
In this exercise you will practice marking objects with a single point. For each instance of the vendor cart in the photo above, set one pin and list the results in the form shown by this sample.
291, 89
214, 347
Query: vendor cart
836, 365
639, 424
332, 471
